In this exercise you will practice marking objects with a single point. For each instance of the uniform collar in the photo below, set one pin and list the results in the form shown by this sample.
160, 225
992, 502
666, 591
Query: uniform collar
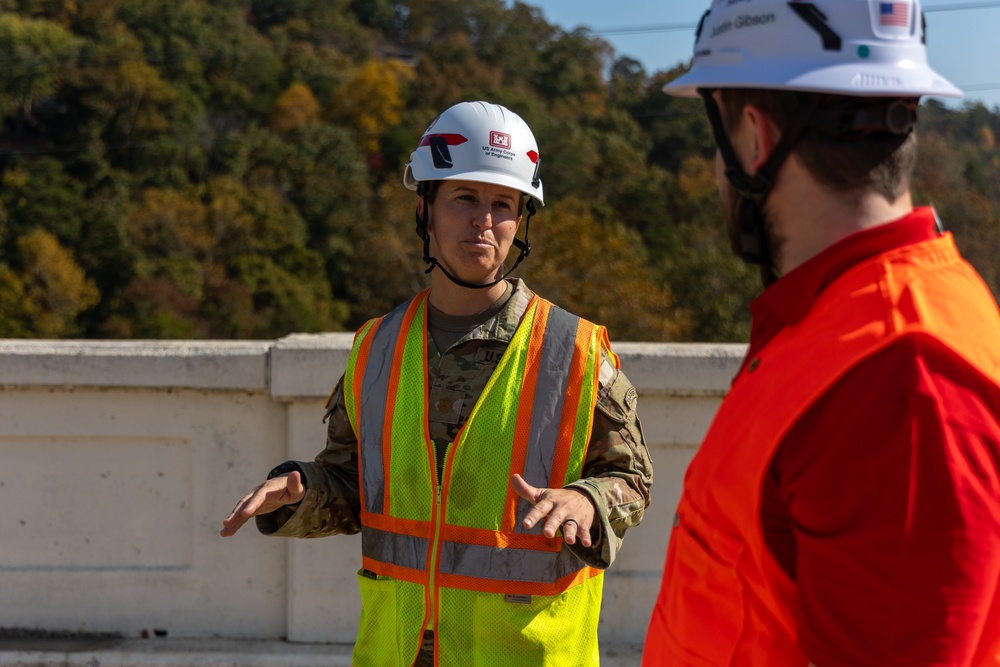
790, 297
502, 325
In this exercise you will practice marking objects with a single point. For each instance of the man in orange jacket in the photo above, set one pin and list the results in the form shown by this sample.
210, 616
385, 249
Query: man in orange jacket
844, 508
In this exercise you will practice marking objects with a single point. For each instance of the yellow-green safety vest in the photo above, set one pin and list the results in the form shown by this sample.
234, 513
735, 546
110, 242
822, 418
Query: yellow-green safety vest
452, 555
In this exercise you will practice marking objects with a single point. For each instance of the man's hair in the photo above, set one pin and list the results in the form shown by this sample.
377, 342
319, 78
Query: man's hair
877, 161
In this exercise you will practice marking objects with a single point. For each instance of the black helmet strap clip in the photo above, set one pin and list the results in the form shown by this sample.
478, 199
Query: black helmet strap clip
753, 190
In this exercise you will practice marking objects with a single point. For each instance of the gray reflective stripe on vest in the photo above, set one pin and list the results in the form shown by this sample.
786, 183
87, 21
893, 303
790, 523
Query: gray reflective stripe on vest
374, 390
404, 550
524, 565
546, 414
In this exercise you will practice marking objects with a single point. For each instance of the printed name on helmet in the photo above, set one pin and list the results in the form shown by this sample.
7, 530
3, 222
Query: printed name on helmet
743, 21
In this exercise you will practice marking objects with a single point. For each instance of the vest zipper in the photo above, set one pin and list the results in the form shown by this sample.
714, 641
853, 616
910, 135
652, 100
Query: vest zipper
432, 564
438, 525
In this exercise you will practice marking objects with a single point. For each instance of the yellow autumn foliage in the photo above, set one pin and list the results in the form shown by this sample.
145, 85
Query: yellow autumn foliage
371, 100
295, 107
697, 177
54, 286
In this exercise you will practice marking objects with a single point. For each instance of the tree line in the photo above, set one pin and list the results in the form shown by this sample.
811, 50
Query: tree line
232, 168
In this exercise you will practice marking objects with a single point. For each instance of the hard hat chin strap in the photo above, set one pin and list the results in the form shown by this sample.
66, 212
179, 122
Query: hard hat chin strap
753, 190
524, 247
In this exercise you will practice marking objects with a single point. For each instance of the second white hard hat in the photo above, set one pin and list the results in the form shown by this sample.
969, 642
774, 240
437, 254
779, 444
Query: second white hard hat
864, 48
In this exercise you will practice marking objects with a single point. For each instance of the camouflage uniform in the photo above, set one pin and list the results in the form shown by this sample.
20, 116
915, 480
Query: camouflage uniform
617, 472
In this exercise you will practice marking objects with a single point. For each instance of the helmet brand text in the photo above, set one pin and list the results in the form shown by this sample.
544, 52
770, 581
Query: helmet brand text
866, 80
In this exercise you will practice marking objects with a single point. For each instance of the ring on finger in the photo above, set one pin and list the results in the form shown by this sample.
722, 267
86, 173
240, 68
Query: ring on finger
573, 521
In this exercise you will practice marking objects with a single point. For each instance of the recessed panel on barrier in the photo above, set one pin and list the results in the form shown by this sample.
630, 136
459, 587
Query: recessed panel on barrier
95, 502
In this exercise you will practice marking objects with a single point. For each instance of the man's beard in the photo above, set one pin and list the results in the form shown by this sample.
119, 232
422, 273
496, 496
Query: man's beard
731, 202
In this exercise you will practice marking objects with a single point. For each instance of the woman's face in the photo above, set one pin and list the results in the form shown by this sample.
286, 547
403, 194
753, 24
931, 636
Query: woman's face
472, 226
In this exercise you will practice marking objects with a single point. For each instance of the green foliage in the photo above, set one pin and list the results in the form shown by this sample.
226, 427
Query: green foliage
39, 193
14, 304
600, 272
711, 284
389, 268
676, 127
231, 169
320, 170
383, 15
35, 55
225, 261
959, 174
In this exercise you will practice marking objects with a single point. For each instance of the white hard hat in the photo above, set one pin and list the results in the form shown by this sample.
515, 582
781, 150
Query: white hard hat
477, 141
863, 48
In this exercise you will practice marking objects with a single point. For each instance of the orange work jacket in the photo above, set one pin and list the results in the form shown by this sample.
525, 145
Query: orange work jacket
725, 600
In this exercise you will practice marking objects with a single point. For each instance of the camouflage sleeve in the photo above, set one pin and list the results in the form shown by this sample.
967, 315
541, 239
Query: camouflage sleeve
332, 503
617, 473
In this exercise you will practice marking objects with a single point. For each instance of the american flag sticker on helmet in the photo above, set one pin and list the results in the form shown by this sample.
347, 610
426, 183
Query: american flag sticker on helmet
894, 14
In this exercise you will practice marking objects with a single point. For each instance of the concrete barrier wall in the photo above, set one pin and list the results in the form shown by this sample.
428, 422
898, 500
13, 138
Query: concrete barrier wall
119, 460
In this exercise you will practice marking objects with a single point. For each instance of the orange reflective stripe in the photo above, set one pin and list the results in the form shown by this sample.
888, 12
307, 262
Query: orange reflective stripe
522, 429
606, 346
394, 571
503, 587
574, 388
396, 525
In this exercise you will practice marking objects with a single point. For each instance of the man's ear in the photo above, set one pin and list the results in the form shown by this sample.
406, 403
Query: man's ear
762, 136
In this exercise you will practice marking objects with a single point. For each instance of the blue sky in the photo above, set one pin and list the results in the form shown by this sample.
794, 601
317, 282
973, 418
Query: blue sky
962, 40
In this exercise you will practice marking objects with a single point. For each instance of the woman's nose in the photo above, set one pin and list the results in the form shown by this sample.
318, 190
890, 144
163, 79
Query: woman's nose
483, 217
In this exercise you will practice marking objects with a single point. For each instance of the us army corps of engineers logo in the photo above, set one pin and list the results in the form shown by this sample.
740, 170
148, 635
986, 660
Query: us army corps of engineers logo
499, 146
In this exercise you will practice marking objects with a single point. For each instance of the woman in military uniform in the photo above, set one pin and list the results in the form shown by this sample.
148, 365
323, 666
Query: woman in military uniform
483, 441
